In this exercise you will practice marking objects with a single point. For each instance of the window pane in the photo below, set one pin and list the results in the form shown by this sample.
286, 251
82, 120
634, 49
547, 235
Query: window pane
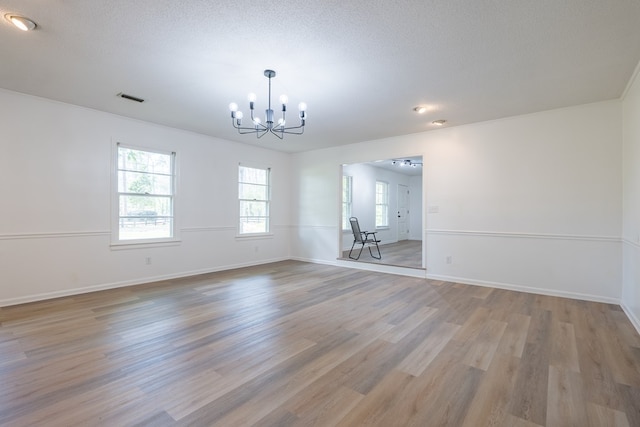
381, 195
253, 192
345, 216
254, 225
145, 228
136, 182
252, 175
346, 201
346, 190
143, 161
145, 206
145, 217
248, 209
382, 204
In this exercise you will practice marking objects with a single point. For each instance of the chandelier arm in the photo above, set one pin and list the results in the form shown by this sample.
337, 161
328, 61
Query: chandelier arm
257, 126
289, 129
292, 131
295, 127
276, 134
246, 130
243, 129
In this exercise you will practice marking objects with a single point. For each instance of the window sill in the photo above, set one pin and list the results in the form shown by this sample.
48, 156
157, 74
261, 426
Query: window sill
254, 236
382, 228
137, 244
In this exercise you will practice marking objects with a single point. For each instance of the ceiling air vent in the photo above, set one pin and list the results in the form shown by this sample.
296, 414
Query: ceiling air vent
130, 97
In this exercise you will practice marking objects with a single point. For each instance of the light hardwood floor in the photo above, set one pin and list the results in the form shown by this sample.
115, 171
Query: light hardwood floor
297, 344
405, 253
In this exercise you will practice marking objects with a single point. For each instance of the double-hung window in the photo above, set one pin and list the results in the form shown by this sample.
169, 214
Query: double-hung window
382, 204
347, 184
146, 191
253, 195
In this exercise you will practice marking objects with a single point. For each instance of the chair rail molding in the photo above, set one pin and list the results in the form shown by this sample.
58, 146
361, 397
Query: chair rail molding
55, 235
523, 235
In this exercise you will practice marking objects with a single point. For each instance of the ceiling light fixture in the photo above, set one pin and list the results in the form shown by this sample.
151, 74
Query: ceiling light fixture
405, 163
439, 122
420, 109
20, 22
259, 128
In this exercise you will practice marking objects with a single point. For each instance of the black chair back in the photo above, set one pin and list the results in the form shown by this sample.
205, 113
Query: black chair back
355, 228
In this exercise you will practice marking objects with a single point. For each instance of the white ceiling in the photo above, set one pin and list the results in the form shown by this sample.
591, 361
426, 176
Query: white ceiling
361, 66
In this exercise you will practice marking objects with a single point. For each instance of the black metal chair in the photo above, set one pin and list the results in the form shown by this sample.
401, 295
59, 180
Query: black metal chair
363, 238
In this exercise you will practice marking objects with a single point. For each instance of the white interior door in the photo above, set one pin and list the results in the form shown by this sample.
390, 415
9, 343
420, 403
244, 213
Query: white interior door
403, 212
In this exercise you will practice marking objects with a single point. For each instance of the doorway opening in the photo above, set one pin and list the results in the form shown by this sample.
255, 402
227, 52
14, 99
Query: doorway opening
386, 197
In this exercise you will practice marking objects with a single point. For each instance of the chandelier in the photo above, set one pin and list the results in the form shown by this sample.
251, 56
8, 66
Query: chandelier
269, 126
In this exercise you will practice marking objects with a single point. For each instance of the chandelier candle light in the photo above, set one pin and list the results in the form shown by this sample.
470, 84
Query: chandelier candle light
259, 128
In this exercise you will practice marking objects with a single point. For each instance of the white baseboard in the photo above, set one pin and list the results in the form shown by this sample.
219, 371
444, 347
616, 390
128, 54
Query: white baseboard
527, 289
313, 261
632, 317
381, 268
138, 281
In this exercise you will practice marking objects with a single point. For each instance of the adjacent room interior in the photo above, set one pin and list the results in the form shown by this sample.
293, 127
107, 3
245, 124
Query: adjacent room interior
177, 183
386, 198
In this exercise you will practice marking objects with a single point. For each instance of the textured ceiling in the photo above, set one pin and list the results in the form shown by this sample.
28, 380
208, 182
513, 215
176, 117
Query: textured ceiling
361, 66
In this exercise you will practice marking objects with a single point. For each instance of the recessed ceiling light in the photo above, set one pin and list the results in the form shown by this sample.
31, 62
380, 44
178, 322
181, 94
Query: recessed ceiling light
420, 109
438, 122
20, 22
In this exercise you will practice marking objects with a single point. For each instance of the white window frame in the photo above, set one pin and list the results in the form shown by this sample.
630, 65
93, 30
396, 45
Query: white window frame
267, 202
383, 204
174, 238
347, 205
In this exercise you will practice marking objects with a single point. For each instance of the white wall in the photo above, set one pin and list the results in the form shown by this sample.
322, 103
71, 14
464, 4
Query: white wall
630, 300
55, 171
530, 202
415, 206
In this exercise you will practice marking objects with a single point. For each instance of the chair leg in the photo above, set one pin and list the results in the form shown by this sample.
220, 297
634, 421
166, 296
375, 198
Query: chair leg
379, 254
354, 243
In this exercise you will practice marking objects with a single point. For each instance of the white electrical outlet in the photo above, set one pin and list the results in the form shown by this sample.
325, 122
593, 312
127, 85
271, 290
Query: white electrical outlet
449, 259
147, 260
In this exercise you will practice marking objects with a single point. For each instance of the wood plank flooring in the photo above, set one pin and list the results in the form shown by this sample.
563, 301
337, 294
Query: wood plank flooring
297, 344
405, 253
